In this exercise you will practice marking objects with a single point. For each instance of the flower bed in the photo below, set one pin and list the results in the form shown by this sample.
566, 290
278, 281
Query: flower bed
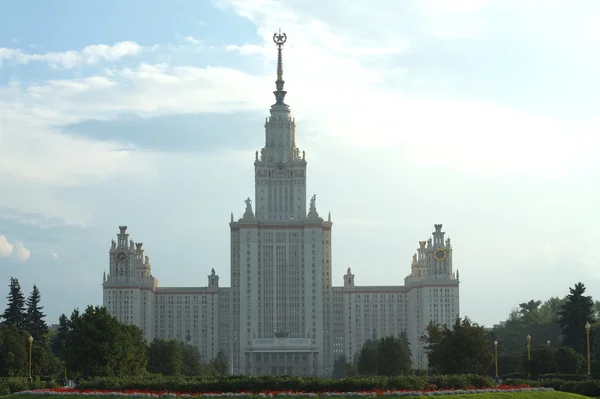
274, 394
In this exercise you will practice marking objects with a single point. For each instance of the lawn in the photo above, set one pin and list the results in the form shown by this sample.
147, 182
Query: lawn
498, 395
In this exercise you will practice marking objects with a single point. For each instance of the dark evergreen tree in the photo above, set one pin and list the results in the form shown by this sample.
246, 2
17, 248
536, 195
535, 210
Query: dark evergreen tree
58, 343
576, 311
339, 367
34, 318
220, 363
464, 348
14, 315
406, 342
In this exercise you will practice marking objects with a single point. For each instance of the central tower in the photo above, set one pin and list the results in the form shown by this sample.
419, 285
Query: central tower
280, 256
280, 171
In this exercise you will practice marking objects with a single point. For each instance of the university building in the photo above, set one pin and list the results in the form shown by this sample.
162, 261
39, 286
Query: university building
282, 313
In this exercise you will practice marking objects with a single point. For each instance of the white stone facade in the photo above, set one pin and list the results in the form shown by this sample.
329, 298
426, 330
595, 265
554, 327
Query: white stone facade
281, 313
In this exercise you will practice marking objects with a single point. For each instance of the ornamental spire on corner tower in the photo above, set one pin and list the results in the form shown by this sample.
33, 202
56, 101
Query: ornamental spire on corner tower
279, 39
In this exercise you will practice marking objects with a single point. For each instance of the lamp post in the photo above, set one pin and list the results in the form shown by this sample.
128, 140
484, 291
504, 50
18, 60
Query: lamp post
426, 364
528, 356
496, 359
414, 359
548, 342
589, 357
30, 350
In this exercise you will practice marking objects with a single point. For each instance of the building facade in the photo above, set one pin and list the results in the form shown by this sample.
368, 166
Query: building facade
281, 313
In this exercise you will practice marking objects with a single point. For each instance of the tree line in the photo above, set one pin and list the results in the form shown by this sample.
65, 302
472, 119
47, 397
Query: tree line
557, 343
88, 344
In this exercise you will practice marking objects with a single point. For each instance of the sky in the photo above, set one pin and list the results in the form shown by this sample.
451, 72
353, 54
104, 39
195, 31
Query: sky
479, 115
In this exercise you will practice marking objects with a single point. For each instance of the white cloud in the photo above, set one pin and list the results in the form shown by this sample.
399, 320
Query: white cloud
192, 40
89, 55
20, 252
16, 250
54, 255
6, 248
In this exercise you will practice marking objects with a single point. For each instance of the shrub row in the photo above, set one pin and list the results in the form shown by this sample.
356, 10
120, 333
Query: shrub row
553, 376
286, 383
16, 384
585, 388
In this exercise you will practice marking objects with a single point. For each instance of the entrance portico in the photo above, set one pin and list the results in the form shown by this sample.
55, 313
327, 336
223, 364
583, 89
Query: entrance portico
282, 356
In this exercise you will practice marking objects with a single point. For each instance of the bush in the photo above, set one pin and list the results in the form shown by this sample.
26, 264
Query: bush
286, 383
16, 384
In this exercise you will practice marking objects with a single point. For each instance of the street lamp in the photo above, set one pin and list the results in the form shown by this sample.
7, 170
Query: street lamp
30, 350
426, 364
548, 342
528, 355
496, 356
414, 364
589, 358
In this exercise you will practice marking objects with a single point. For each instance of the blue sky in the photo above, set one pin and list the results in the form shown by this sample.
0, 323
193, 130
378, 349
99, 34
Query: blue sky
481, 115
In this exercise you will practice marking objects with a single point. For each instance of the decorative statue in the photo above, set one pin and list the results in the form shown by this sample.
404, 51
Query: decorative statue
248, 202
313, 203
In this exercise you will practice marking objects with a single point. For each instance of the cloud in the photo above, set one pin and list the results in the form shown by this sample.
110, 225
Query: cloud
6, 248
89, 55
192, 40
16, 250
20, 252
54, 255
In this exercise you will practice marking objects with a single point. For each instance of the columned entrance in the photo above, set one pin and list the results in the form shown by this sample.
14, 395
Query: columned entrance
282, 356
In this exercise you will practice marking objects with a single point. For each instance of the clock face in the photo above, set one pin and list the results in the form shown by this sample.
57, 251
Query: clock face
280, 166
439, 254
121, 256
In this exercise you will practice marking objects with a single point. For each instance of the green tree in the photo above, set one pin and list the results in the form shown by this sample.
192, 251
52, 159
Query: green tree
406, 342
34, 318
542, 361
220, 363
192, 364
568, 361
577, 310
367, 358
99, 345
464, 348
393, 358
14, 351
165, 356
339, 367
59, 340
14, 315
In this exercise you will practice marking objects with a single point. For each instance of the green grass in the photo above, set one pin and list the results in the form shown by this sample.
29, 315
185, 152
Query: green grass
498, 395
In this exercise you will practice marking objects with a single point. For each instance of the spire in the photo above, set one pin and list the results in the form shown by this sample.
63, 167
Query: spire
279, 39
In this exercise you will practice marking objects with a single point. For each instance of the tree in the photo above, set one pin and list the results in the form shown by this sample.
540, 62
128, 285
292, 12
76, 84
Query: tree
14, 351
464, 348
577, 310
98, 345
406, 342
192, 364
568, 361
220, 363
58, 343
165, 356
530, 318
339, 367
393, 358
34, 318
14, 315
542, 361
367, 358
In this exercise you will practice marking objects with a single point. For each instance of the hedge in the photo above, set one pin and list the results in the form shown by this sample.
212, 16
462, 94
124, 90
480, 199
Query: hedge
286, 383
10, 385
553, 376
585, 388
